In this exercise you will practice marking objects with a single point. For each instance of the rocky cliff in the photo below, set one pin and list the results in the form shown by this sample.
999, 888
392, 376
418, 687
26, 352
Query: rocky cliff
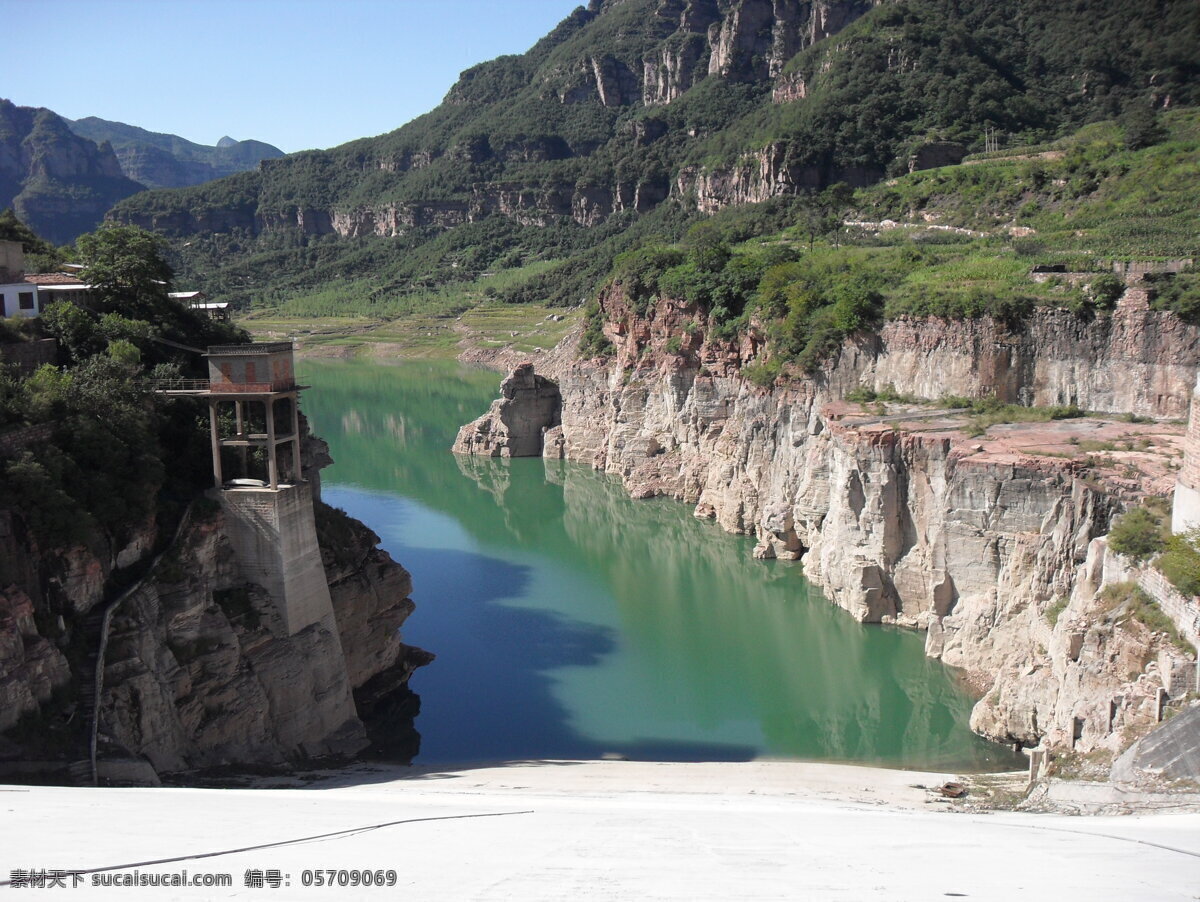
58, 183
198, 668
988, 544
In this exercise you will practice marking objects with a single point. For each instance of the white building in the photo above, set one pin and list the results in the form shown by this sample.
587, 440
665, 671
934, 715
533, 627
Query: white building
20, 299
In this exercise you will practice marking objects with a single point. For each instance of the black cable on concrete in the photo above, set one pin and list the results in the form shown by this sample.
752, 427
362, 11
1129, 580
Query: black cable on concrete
285, 842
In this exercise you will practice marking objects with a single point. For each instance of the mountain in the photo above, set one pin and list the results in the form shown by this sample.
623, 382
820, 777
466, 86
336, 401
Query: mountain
61, 177
169, 161
634, 117
59, 184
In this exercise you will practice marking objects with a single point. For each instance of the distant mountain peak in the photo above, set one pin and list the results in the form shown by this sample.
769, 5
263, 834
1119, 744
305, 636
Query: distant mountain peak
169, 161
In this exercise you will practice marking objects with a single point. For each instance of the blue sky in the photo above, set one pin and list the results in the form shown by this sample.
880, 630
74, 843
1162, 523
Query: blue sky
296, 74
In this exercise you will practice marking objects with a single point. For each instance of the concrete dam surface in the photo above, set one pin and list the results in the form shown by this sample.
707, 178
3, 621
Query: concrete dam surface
602, 830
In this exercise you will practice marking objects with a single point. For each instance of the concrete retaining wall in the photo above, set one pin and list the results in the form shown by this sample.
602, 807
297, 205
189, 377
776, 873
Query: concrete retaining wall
27, 356
1184, 612
274, 536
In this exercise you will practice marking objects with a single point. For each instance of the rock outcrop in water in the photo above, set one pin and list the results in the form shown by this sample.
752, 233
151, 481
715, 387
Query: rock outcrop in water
516, 424
992, 549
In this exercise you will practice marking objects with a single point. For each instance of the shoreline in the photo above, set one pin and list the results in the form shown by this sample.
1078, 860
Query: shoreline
888, 786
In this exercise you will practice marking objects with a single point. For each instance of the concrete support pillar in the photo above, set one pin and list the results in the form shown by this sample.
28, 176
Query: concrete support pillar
216, 443
1037, 763
240, 408
295, 439
272, 466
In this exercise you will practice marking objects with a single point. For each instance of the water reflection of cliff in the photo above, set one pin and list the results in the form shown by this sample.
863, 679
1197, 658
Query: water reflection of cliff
710, 643
733, 638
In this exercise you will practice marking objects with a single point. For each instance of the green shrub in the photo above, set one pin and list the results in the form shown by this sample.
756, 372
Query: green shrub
1055, 609
594, 343
1180, 562
763, 374
1137, 533
1128, 597
1145, 610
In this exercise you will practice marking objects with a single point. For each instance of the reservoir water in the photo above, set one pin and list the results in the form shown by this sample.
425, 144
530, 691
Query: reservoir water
572, 622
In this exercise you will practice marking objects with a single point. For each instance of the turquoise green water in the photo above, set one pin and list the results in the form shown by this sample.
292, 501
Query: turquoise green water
571, 622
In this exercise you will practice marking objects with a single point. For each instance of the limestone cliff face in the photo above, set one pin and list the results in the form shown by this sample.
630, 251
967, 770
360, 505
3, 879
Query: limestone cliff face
755, 38
761, 175
1136, 360
57, 182
199, 669
921, 529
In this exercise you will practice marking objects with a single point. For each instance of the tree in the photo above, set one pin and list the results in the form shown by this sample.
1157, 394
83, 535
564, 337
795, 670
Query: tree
822, 213
126, 267
1141, 126
1180, 563
74, 328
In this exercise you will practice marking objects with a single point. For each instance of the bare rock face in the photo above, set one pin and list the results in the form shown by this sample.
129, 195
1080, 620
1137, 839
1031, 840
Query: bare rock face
919, 529
1136, 360
199, 669
515, 424
758, 176
757, 37
31, 668
200, 672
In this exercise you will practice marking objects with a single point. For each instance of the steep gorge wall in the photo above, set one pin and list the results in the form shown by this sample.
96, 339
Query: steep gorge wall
200, 669
920, 529
1136, 360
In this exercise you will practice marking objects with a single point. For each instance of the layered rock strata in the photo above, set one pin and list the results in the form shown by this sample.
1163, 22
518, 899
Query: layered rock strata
200, 669
992, 552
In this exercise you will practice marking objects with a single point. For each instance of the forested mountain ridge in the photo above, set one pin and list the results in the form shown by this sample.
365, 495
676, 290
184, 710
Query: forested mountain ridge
632, 115
159, 160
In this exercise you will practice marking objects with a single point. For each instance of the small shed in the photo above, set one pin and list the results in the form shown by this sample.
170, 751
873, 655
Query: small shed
261, 367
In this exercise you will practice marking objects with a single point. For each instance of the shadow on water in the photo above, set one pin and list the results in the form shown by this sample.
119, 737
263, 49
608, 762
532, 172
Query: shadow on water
490, 697
570, 622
